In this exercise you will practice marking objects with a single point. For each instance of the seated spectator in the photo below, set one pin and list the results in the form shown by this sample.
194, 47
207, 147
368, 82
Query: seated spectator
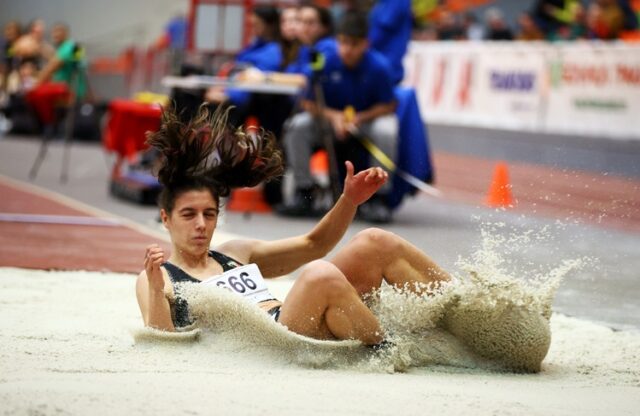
529, 31
358, 77
306, 32
8, 61
263, 53
316, 29
290, 41
448, 27
605, 19
545, 14
8, 73
497, 28
32, 47
67, 64
612, 19
272, 110
473, 30
576, 28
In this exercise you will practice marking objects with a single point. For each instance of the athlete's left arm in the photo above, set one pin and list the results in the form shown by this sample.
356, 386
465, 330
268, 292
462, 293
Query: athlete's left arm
279, 257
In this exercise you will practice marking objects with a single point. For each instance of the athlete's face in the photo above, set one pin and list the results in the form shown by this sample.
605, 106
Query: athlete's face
351, 50
192, 221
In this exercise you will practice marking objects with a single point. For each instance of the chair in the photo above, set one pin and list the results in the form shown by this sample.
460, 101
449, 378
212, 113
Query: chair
56, 102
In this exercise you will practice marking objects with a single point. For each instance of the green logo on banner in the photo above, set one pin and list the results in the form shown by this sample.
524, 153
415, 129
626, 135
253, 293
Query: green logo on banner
599, 104
555, 73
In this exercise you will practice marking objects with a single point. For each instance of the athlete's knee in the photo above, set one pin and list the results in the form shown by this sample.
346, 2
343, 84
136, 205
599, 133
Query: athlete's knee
324, 277
381, 241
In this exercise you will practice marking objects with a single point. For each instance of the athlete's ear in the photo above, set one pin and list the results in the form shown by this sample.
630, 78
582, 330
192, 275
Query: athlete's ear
164, 216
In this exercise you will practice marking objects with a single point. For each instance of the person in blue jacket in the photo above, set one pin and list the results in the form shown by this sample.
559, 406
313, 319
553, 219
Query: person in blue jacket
316, 34
290, 38
391, 24
390, 32
263, 53
353, 77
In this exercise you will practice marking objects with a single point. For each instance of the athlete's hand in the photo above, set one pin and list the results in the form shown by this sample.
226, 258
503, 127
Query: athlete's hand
153, 258
358, 188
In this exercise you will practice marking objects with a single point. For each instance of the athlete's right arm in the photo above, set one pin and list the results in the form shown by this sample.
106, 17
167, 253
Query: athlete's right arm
152, 301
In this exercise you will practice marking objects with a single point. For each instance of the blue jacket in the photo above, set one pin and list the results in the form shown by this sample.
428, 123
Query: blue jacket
266, 56
362, 87
390, 31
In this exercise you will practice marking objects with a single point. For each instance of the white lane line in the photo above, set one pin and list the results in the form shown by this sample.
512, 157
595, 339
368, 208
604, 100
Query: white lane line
59, 219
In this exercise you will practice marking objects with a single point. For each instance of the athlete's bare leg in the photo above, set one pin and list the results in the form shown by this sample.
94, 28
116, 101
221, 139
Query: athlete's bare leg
374, 254
322, 304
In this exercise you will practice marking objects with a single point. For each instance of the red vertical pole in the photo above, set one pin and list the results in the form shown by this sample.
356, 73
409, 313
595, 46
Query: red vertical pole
191, 25
246, 31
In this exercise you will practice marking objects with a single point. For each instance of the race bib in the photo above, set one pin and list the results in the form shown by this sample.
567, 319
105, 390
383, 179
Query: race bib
245, 281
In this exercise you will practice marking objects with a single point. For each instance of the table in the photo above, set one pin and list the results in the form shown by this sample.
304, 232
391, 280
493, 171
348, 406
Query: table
128, 123
203, 81
46, 98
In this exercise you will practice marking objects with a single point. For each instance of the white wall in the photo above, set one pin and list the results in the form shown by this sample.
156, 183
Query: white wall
104, 26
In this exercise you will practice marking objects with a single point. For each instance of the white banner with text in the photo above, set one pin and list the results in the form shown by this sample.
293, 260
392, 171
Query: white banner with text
574, 88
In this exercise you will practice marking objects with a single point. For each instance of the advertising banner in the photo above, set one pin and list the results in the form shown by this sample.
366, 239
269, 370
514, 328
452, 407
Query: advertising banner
575, 88
509, 87
595, 90
441, 75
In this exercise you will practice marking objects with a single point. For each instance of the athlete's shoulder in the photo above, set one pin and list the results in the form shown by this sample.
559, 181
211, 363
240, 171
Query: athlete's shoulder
239, 250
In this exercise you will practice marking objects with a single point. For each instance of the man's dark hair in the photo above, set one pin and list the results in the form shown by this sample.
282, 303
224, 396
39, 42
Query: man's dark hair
354, 25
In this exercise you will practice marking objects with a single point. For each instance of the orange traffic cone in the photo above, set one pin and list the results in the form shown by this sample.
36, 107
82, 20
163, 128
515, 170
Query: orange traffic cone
319, 164
499, 195
251, 122
248, 200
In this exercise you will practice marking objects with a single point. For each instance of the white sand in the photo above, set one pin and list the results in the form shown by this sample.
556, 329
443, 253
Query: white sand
67, 347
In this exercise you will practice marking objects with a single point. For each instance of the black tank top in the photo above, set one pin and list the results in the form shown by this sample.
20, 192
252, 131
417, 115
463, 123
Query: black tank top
181, 316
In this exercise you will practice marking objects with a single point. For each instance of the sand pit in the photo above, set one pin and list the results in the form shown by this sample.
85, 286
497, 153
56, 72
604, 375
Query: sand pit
67, 347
